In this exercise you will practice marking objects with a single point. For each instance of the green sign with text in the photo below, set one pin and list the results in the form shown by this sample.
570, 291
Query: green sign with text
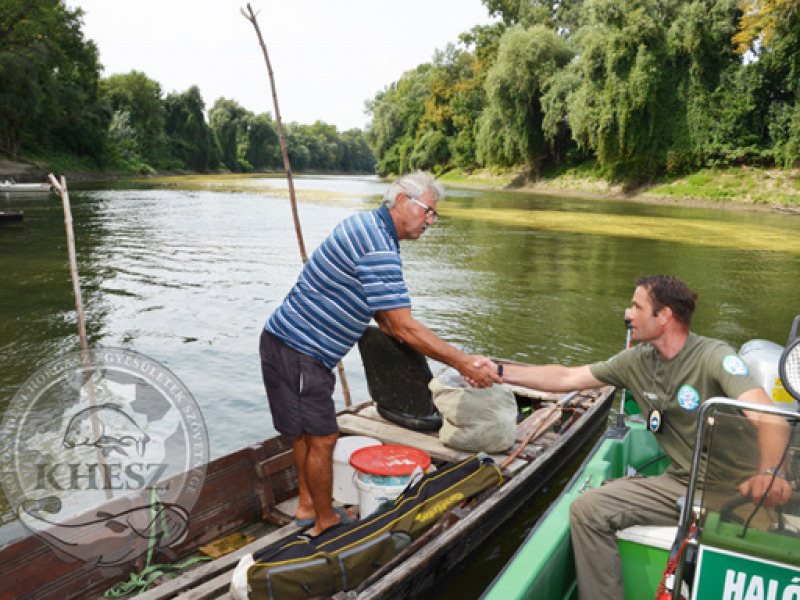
724, 575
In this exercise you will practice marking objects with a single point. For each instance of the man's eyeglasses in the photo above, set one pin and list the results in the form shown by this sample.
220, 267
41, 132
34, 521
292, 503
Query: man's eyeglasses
428, 209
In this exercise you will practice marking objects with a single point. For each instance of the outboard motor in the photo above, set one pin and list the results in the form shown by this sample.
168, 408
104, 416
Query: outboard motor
789, 367
397, 380
762, 358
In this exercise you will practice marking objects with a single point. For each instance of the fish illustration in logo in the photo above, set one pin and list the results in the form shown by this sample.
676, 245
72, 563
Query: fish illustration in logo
109, 535
107, 427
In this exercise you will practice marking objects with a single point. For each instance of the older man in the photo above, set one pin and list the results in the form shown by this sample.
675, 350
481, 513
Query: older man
354, 275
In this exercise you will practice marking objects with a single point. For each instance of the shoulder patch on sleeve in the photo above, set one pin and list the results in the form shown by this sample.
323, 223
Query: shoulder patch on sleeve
734, 365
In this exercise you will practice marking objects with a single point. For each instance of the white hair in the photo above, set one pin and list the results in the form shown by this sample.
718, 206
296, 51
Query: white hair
413, 185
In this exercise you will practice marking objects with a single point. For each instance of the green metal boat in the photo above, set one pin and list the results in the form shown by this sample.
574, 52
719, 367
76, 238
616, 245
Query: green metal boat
724, 548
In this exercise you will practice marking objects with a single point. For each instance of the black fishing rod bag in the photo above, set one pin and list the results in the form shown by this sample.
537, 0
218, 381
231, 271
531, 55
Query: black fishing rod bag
341, 557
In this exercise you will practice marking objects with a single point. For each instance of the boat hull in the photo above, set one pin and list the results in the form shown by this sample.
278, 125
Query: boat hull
543, 568
249, 487
7, 218
24, 188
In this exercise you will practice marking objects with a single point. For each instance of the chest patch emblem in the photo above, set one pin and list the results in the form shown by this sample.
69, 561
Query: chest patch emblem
734, 365
688, 397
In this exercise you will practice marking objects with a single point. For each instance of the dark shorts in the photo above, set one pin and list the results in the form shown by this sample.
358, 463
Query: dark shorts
299, 388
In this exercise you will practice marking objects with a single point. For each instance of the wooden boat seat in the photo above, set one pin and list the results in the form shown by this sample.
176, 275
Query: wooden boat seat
660, 537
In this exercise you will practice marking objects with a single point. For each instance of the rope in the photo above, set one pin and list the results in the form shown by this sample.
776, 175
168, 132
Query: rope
141, 582
672, 564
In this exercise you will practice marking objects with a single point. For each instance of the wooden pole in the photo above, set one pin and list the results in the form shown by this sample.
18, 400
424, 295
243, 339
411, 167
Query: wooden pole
250, 16
61, 188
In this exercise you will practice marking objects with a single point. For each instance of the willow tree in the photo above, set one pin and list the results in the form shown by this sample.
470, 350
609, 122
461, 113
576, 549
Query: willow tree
191, 139
722, 114
396, 112
510, 128
627, 107
769, 34
230, 122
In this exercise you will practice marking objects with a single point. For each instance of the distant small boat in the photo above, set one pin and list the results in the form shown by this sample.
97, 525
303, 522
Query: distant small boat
10, 217
11, 186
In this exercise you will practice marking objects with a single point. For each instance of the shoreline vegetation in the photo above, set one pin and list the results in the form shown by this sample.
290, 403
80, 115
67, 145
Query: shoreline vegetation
691, 103
731, 188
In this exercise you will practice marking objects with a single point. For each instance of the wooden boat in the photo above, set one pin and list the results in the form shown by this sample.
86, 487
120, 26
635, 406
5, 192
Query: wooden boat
11, 217
253, 492
726, 558
13, 187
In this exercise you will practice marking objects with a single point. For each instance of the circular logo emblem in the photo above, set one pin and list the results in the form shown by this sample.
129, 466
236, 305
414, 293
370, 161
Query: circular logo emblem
688, 397
734, 365
103, 454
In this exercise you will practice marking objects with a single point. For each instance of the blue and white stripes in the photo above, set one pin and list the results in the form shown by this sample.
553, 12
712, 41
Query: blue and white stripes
355, 272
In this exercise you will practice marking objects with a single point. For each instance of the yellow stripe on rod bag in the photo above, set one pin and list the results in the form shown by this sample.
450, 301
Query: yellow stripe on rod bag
345, 555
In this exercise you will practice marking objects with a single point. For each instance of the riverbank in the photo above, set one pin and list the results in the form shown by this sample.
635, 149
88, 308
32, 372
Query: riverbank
741, 188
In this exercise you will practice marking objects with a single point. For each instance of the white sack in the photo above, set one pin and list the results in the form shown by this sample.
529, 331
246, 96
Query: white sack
474, 419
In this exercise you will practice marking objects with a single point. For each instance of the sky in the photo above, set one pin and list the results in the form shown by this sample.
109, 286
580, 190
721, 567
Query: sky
328, 56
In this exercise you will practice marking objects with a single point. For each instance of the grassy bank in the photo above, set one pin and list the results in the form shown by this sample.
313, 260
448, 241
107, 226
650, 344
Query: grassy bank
742, 187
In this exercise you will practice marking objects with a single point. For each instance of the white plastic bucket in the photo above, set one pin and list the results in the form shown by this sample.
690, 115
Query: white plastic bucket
343, 489
372, 495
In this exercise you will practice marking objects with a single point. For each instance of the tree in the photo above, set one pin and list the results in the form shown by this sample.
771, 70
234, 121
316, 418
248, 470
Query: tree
769, 32
230, 122
356, 156
396, 113
48, 81
446, 131
322, 140
761, 20
263, 146
191, 140
510, 129
140, 97
626, 107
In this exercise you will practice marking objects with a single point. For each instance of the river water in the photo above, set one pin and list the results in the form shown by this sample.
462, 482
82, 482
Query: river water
186, 271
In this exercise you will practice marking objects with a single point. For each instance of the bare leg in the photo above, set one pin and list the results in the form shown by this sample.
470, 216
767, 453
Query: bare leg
314, 457
319, 479
305, 506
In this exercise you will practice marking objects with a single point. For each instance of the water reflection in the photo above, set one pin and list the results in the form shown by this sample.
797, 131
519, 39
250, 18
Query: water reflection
188, 274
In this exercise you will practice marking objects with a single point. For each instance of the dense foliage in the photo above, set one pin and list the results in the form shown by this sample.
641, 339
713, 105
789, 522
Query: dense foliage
642, 87
53, 101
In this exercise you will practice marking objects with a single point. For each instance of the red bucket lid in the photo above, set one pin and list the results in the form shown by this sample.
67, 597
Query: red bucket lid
388, 460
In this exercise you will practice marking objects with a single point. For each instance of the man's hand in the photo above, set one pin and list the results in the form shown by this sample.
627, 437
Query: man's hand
480, 372
755, 487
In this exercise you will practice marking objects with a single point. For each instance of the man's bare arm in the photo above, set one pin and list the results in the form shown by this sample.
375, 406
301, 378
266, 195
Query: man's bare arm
399, 324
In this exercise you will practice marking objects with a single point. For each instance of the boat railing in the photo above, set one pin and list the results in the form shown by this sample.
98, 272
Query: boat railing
710, 453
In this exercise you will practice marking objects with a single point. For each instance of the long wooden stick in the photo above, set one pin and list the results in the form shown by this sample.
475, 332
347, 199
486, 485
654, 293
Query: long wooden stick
61, 188
250, 16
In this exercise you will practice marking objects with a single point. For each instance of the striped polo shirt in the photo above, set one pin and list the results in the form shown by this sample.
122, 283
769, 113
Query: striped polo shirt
355, 272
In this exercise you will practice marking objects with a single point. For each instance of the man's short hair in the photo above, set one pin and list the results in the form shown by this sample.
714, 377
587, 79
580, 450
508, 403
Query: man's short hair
666, 290
413, 185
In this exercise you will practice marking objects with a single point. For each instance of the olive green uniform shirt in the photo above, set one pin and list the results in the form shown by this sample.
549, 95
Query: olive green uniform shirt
703, 369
